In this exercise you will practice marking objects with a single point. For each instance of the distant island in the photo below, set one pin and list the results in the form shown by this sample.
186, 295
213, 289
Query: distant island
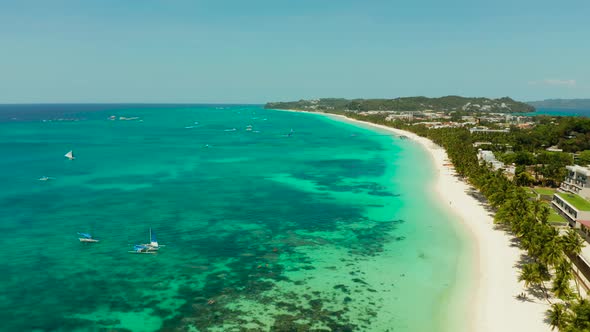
575, 104
408, 104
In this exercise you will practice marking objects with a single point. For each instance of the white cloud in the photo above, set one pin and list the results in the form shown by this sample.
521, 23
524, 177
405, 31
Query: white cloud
555, 82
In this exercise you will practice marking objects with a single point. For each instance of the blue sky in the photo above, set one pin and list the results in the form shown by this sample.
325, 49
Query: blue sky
260, 50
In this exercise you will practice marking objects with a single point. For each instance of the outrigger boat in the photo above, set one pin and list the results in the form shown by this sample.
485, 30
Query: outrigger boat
148, 248
142, 249
45, 178
85, 237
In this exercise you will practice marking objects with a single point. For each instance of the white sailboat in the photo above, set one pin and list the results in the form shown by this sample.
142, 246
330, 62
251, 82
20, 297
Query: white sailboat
147, 248
153, 241
70, 155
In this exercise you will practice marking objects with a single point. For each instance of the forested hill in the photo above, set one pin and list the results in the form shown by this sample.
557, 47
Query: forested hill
407, 104
575, 104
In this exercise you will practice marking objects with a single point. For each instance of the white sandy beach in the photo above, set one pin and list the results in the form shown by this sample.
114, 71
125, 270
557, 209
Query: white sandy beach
492, 305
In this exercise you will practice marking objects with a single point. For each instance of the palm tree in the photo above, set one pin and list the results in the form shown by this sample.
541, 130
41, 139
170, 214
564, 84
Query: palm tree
558, 316
552, 252
534, 275
543, 215
530, 275
572, 242
544, 275
536, 207
561, 283
580, 319
572, 246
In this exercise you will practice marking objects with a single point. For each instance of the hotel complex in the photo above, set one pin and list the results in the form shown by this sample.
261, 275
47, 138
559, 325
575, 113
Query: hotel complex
489, 158
572, 200
576, 181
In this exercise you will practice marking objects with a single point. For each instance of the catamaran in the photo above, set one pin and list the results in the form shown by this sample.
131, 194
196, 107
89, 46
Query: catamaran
141, 249
147, 248
85, 237
70, 155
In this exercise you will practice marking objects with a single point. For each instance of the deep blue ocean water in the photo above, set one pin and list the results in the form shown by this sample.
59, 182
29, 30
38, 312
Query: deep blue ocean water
330, 227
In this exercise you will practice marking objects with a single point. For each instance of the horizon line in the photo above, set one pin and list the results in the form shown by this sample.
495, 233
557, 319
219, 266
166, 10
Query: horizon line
263, 103
126, 103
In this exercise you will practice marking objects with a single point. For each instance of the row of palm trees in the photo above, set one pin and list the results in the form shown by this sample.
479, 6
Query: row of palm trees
546, 270
546, 266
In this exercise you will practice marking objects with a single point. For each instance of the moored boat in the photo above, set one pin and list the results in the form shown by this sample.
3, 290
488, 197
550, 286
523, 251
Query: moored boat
85, 237
142, 249
153, 241
148, 248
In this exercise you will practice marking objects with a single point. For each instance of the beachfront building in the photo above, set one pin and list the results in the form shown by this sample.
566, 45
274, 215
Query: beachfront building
478, 144
577, 181
437, 124
487, 130
408, 116
575, 209
489, 158
554, 148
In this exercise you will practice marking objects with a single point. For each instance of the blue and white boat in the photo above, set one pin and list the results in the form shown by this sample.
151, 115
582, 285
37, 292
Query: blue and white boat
147, 248
153, 241
85, 237
45, 178
142, 249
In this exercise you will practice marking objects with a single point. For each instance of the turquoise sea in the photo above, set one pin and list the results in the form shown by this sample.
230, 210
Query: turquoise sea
332, 227
561, 112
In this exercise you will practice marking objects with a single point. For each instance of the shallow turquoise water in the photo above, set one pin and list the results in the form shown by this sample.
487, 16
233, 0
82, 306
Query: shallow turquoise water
560, 112
334, 227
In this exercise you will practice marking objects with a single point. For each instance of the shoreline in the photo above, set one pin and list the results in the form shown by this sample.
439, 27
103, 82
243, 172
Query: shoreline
491, 303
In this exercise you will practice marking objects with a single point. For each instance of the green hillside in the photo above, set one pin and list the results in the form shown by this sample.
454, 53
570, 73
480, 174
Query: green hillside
407, 104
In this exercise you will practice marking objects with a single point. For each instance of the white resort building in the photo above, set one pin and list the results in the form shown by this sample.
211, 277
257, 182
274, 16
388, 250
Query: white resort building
577, 181
489, 158
486, 130
574, 208
572, 200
